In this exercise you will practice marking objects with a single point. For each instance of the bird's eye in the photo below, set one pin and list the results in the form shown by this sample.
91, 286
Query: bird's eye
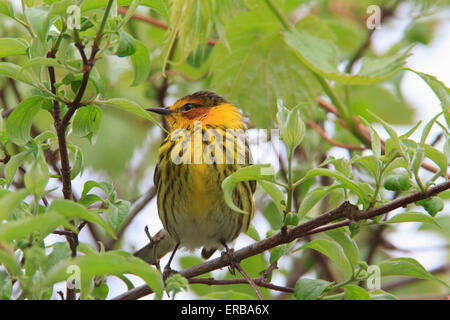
188, 106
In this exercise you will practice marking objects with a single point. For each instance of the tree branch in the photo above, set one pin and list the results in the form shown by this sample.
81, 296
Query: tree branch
345, 210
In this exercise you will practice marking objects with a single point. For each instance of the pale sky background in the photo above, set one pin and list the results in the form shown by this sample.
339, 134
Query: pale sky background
432, 59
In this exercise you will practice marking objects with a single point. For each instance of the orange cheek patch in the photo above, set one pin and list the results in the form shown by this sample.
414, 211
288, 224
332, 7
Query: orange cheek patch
195, 113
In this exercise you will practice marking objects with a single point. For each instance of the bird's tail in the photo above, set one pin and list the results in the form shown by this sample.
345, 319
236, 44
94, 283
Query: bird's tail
161, 244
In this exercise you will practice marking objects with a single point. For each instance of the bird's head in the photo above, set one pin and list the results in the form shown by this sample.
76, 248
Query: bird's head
205, 106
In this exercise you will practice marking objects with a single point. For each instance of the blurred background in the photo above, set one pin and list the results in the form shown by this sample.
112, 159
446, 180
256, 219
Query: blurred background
126, 147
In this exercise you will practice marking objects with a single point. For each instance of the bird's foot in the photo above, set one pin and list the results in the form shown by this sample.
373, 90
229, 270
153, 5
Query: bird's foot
229, 253
168, 271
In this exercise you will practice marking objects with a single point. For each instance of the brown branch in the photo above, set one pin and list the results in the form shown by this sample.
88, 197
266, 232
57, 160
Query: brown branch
346, 210
330, 140
154, 22
250, 281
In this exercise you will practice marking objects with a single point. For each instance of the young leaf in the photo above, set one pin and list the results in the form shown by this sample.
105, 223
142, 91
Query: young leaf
412, 217
6, 8
19, 121
353, 292
44, 224
273, 216
441, 91
13, 165
348, 244
333, 251
87, 122
12, 71
37, 176
312, 198
348, 183
117, 212
252, 172
109, 263
127, 45
141, 63
310, 289
12, 47
39, 18
71, 209
9, 201
407, 267
293, 130
432, 205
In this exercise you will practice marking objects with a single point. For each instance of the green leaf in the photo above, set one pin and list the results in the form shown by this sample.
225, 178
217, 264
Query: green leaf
348, 244
310, 289
313, 197
333, 251
381, 295
37, 176
6, 8
141, 63
273, 216
437, 157
12, 47
293, 130
12, 71
40, 62
44, 224
253, 233
9, 261
441, 91
105, 186
353, 292
127, 45
77, 164
9, 201
60, 252
321, 56
348, 183
19, 121
432, 205
252, 41
13, 165
252, 172
109, 263
407, 267
275, 193
72, 209
397, 182
130, 106
392, 133
279, 251
87, 122
412, 217
117, 212
39, 18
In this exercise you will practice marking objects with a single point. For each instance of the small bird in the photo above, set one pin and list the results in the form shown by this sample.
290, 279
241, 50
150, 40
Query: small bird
204, 145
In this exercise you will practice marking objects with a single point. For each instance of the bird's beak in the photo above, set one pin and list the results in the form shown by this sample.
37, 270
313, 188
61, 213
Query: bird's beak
163, 111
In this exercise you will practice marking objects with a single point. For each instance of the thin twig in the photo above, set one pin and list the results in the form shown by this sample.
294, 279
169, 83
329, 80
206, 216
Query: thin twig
250, 281
324, 136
